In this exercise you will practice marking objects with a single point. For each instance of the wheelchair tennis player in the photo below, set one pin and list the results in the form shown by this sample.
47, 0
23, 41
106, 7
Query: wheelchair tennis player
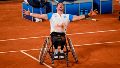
59, 22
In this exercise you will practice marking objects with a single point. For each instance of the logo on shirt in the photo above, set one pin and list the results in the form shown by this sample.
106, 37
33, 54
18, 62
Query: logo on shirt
65, 17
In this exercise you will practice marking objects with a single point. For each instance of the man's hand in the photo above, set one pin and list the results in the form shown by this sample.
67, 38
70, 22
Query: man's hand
26, 12
40, 16
93, 13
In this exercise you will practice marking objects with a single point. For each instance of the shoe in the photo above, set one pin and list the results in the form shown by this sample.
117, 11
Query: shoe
55, 56
62, 55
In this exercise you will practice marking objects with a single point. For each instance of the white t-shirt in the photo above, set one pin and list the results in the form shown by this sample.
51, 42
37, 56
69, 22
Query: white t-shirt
59, 23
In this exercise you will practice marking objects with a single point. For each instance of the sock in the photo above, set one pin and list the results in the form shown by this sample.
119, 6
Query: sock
61, 51
56, 51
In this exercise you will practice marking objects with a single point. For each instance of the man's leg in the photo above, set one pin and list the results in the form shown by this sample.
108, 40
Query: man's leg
55, 43
56, 48
56, 51
63, 42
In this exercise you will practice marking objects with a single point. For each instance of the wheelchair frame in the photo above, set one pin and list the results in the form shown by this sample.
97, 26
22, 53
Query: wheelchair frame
48, 48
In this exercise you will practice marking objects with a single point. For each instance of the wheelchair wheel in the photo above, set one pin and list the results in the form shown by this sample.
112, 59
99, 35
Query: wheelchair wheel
43, 51
72, 50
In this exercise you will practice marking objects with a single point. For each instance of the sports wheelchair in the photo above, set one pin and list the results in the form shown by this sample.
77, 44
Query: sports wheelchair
49, 48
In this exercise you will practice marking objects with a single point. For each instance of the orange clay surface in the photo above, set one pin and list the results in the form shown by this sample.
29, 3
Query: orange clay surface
97, 43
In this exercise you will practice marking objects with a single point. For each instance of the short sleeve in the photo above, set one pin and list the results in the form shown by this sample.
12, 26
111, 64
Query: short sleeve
49, 15
70, 17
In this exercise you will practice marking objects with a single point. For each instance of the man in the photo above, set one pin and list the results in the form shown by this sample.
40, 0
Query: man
59, 22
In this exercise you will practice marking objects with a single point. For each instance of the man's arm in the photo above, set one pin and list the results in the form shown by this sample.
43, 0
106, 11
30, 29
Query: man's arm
92, 13
42, 16
75, 18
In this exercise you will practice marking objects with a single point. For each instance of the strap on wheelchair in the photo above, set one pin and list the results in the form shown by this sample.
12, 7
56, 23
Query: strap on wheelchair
57, 34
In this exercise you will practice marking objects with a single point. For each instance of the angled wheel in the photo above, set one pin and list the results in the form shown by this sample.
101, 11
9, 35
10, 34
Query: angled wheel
43, 51
72, 50
66, 55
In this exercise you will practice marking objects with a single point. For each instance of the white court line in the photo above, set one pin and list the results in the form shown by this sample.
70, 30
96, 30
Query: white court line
22, 38
34, 37
77, 45
102, 31
12, 39
29, 56
88, 44
66, 34
97, 43
13, 51
78, 33
112, 30
109, 42
3, 40
34, 58
3, 52
90, 32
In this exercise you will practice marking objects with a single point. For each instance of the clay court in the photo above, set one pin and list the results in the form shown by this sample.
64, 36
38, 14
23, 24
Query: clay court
97, 43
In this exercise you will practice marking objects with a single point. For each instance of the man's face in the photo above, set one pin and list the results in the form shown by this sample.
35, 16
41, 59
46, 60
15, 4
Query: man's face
60, 7
118, 1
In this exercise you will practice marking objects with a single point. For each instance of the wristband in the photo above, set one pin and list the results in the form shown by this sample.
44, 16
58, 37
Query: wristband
31, 14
